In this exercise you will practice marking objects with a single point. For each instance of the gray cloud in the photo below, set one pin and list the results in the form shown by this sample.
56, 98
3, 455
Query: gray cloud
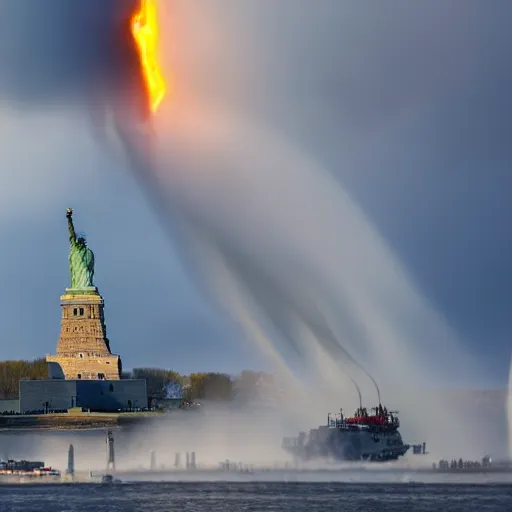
68, 53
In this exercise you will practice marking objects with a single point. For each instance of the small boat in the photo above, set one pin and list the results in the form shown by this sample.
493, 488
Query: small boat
109, 479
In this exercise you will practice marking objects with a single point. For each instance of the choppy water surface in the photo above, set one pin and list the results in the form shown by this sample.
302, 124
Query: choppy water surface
226, 497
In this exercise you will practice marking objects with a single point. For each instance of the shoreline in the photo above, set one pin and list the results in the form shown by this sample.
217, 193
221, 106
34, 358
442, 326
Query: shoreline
77, 422
352, 476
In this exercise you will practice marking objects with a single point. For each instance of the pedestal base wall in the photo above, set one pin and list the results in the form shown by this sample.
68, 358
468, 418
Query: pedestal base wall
38, 396
83, 349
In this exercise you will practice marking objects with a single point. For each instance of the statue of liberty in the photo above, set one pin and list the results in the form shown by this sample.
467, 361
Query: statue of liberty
81, 258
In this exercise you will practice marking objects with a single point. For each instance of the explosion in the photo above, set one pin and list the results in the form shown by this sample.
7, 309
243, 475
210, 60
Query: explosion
144, 26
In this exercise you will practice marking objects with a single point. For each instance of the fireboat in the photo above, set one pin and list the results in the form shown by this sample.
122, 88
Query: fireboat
363, 436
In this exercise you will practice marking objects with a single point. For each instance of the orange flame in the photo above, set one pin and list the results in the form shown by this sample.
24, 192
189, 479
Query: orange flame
144, 25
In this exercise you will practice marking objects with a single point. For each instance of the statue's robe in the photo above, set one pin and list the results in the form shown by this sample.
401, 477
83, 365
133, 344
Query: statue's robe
81, 266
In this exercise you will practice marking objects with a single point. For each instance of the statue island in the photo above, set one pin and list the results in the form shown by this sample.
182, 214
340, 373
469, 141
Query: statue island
83, 349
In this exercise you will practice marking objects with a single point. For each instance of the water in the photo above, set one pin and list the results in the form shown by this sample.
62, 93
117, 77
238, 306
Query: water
226, 497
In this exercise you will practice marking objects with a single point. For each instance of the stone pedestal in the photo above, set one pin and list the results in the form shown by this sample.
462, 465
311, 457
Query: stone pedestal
83, 349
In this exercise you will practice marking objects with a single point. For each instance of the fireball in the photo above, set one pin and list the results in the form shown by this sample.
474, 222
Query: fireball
144, 27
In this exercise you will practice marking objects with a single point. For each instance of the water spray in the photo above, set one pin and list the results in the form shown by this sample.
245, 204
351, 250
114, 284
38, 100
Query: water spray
358, 392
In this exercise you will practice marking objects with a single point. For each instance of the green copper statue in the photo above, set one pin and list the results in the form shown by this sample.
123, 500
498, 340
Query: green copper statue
81, 258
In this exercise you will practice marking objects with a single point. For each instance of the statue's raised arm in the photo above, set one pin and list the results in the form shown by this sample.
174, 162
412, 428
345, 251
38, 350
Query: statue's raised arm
71, 227
81, 258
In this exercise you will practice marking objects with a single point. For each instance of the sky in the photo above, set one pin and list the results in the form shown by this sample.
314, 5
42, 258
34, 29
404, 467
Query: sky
406, 107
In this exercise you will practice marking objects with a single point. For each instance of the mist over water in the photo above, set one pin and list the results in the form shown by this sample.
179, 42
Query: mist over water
271, 235
214, 434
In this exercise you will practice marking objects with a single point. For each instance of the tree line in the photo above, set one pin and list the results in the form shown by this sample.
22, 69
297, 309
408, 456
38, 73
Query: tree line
248, 385
167, 384
161, 383
11, 372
